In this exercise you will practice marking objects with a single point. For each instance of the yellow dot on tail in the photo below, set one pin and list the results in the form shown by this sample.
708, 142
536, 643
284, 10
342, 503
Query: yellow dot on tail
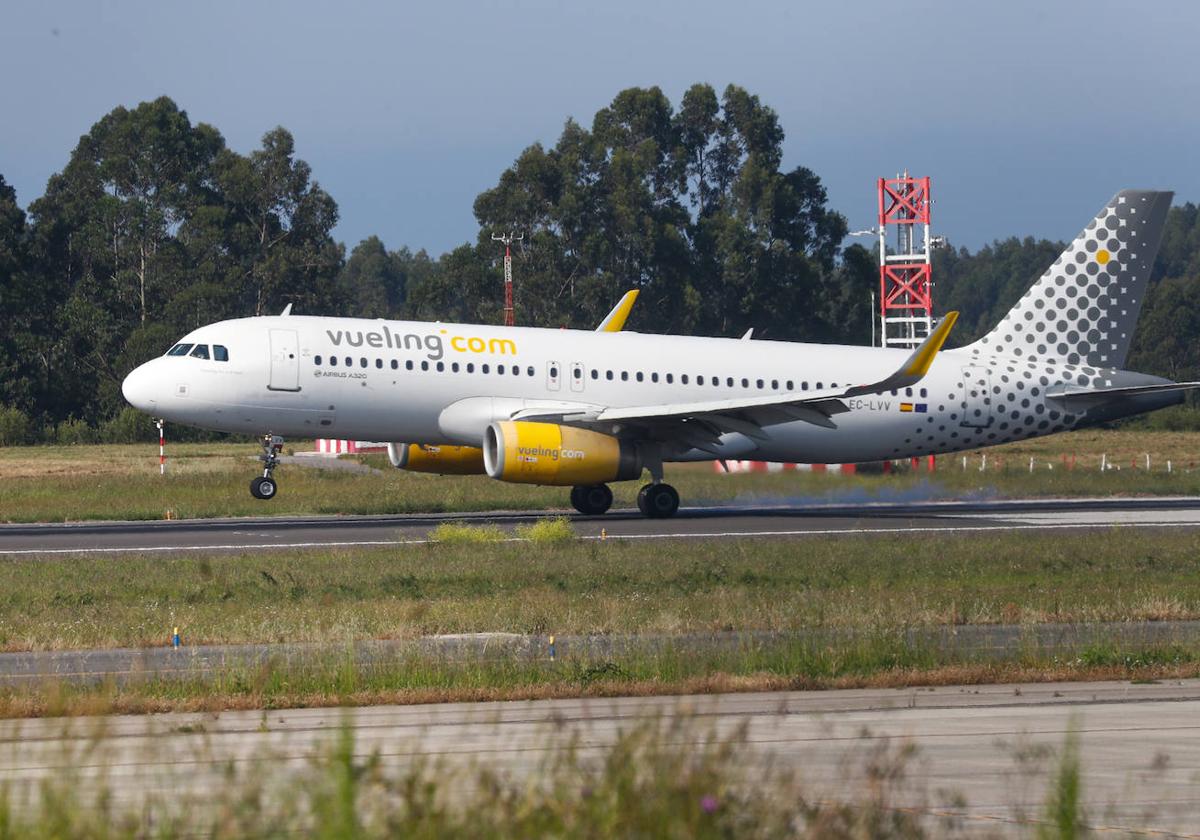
1102, 256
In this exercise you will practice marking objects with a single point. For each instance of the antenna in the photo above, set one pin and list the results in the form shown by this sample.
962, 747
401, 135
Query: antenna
508, 239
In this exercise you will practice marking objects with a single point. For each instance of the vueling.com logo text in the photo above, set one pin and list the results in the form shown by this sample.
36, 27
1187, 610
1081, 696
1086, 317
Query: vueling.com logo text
432, 344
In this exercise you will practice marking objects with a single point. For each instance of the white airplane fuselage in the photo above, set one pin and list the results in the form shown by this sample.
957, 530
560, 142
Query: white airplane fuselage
435, 383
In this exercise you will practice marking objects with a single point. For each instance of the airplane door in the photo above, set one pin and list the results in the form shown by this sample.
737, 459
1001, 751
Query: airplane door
976, 397
577, 376
285, 361
553, 376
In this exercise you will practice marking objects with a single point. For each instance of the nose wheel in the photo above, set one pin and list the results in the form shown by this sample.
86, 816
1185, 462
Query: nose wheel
264, 486
658, 501
591, 499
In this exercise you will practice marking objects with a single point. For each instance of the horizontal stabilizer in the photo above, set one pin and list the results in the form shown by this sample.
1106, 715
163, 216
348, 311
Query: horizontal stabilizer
1076, 393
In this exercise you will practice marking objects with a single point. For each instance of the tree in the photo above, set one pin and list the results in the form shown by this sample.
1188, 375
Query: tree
16, 386
277, 227
373, 283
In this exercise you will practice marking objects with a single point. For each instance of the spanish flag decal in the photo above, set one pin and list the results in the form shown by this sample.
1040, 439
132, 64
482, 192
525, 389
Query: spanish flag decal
906, 406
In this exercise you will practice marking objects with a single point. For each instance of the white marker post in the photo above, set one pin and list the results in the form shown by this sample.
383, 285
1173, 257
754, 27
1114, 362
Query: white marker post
162, 447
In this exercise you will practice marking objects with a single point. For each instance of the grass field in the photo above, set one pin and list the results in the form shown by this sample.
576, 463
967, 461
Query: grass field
73, 483
876, 588
872, 584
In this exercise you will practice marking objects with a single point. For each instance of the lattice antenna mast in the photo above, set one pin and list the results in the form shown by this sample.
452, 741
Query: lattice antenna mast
508, 239
905, 280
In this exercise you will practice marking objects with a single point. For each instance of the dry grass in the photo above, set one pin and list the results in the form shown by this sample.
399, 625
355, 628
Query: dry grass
74, 483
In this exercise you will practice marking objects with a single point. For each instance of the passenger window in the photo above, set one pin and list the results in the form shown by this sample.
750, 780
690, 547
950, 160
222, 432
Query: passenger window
379, 363
470, 367
624, 376
408, 365
333, 361
349, 362
608, 375
595, 374
654, 377
670, 378
317, 361
395, 365
803, 386
553, 372
483, 368
699, 380
221, 354
576, 372
924, 393
683, 379
790, 386
500, 369
819, 386
454, 367
529, 372
424, 365
362, 362
179, 350
441, 366
759, 383
729, 382
908, 392
745, 383
774, 384
516, 371
639, 376
200, 351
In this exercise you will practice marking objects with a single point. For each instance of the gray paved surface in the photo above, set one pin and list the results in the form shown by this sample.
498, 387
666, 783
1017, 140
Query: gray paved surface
984, 753
969, 642
277, 533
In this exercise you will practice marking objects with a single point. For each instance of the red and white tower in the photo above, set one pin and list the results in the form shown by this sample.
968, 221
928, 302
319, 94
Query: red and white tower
508, 239
905, 281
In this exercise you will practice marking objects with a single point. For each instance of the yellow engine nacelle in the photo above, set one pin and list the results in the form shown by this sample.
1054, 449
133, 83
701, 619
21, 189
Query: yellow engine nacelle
443, 460
546, 453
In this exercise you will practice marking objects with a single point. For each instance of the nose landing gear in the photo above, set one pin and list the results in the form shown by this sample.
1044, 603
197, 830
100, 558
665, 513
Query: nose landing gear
264, 486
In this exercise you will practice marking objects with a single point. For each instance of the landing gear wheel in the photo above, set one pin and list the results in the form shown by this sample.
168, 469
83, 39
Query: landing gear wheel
591, 499
263, 488
658, 501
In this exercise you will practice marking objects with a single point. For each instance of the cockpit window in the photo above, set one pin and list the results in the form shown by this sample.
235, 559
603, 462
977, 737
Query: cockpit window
179, 350
200, 351
220, 354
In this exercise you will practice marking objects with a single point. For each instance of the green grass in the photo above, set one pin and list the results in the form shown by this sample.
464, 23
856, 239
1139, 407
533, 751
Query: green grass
72, 483
865, 583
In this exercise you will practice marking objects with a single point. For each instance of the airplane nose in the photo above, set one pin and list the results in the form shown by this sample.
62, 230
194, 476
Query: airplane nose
139, 389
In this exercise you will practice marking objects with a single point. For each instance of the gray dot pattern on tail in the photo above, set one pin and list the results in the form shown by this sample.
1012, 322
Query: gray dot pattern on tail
1084, 308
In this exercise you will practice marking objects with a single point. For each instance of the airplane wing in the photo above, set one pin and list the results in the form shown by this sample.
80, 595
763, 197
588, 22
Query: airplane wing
747, 415
615, 321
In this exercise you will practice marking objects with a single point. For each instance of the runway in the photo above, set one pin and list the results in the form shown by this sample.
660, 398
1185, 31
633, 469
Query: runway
273, 533
983, 761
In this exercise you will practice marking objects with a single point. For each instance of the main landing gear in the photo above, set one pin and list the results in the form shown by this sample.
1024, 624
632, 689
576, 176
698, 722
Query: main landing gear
264, 486
591, 499
657, 501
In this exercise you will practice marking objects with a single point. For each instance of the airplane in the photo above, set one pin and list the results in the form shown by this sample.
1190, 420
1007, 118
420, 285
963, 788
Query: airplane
581, 409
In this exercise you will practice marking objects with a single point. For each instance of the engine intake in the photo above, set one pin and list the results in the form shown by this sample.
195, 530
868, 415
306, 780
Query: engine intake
546, 453
443, 460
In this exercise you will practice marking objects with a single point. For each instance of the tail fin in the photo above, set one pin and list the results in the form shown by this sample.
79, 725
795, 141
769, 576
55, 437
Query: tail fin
1084, 308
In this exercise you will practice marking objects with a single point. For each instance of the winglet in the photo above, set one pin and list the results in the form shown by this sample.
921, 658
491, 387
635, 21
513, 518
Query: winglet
918, 363
615, 320
915, 367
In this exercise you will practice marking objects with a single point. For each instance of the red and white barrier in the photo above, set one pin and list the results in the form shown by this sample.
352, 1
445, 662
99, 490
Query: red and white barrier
331, 446
777, 466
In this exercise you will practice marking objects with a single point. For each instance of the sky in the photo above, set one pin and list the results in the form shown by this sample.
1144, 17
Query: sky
1027, 115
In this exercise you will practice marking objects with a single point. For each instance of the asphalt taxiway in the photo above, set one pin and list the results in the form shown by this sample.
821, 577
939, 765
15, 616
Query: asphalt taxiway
982, 765
273, 533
